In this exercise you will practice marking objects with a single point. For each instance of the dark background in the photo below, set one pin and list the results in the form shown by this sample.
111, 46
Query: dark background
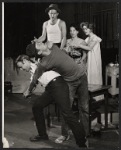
23, 21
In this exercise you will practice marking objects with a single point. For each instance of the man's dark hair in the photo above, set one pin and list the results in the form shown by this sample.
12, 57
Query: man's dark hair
31, 51
20, 58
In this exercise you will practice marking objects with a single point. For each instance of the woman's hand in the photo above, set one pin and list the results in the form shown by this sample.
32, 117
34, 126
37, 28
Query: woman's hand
67, 49
75, 47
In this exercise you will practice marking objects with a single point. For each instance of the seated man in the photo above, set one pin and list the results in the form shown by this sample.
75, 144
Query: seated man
56, 89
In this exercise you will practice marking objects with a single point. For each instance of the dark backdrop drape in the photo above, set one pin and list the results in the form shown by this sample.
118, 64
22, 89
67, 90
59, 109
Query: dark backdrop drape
23, 21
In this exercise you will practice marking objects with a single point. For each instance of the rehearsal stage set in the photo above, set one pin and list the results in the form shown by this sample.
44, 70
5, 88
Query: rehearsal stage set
22, 22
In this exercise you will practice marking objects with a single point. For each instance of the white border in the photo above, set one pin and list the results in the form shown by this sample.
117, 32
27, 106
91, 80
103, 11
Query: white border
2, 70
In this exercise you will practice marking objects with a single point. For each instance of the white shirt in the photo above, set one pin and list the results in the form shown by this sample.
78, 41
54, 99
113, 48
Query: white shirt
54, 32
46, 77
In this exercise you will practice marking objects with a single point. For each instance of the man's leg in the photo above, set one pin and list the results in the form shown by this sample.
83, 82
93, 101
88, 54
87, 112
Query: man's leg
83, 103
39, 104
60, 93
81, 87
64, 127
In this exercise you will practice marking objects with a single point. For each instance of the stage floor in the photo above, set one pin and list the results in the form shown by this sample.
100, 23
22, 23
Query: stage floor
18, 127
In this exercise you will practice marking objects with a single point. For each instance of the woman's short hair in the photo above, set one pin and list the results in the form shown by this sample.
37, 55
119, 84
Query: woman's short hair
88, 25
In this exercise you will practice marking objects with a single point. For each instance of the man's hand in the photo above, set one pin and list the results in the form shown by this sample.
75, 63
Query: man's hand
49, 44
38, 45
26, 93
34, 40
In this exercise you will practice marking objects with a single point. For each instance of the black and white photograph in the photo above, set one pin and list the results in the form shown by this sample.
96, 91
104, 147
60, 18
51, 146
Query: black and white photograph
60, 75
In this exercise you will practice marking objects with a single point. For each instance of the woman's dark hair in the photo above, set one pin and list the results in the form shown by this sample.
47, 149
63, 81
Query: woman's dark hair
88, 25
75, 25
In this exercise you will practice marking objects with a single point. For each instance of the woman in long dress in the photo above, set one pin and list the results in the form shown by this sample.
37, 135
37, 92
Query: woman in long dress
94, 61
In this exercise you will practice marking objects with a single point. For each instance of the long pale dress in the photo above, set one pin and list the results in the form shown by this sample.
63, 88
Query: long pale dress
94, 62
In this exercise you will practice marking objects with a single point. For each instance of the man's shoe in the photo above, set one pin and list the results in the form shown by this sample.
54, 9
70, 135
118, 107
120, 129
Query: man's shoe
39, 138
61, 139
86, 145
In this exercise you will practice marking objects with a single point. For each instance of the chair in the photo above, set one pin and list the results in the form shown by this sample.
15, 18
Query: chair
7, 87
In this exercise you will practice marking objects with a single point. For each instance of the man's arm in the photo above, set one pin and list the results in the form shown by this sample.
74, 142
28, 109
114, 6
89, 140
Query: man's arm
63, 32
38, 72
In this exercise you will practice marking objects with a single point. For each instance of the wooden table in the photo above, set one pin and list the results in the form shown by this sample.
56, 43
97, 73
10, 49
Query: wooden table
96, 90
